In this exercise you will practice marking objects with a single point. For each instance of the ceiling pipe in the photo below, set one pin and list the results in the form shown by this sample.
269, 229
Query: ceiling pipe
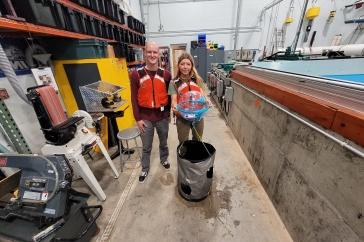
177, 1
269, 6
141, 10
238, 15
205, 30
162, 35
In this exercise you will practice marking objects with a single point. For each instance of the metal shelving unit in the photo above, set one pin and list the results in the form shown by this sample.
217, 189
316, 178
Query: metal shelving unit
9, 24
75, 6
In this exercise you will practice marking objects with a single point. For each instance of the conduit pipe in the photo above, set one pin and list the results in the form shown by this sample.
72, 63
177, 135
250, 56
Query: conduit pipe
160, 35
9, 72
238, 14
344, 144
349, 50
269, 6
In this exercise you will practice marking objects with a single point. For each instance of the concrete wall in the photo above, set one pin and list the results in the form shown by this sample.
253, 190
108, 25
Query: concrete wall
314, 183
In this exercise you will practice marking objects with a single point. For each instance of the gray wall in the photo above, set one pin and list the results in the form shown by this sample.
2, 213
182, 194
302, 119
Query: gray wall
183, 20
315, 184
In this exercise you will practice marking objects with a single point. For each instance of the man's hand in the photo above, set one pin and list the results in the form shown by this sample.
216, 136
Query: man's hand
141, 126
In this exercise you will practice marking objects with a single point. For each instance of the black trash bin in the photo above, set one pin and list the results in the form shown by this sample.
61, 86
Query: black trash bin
195, 169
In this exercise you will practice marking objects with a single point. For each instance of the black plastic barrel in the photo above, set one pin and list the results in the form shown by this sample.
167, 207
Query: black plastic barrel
195, 169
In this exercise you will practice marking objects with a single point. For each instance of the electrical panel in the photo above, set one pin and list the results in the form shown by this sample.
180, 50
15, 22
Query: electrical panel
226, 80
229, 91
220, 88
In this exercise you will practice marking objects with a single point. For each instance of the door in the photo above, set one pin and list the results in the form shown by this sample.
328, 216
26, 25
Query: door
177, 50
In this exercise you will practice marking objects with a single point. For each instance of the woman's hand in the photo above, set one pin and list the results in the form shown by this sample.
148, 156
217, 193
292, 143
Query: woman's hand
208, 102
174, 108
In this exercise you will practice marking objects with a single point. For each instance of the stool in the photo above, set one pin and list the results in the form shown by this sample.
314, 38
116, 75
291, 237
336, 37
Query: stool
126, 135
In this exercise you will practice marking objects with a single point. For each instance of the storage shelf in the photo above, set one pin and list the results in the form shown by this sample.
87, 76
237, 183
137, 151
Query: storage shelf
75, 6
38, 29
136, 46
135, 63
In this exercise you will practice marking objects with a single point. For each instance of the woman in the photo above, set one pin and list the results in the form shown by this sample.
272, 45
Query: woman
187, 79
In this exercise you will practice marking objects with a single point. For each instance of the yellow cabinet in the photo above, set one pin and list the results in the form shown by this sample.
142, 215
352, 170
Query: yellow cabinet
70, 74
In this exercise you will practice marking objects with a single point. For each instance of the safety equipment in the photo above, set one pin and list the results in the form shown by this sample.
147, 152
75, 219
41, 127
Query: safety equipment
185, 87
152, 92
192, 106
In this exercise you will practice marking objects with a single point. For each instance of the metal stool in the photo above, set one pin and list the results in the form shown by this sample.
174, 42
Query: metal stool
126, 135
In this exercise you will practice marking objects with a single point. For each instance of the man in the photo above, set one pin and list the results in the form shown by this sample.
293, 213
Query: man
151, 106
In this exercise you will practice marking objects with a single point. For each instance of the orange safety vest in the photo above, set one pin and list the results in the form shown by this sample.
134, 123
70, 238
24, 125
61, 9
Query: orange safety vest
152, 93
184, 87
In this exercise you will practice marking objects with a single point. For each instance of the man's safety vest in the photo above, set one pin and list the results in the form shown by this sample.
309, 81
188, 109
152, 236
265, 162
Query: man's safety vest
152, 93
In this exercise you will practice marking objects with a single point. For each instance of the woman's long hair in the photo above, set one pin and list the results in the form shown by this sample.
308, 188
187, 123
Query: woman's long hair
193, 73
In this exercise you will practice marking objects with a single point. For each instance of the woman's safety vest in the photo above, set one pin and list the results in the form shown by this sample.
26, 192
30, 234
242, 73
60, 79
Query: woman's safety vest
152, 93
184, 87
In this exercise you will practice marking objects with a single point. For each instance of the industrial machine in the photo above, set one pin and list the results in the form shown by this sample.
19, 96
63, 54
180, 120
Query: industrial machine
44, 204
68, 136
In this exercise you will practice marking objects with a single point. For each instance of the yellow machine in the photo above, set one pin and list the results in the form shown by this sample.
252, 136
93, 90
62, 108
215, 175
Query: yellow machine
110, 70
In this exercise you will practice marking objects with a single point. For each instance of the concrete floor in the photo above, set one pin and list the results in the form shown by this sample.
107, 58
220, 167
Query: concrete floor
237, 209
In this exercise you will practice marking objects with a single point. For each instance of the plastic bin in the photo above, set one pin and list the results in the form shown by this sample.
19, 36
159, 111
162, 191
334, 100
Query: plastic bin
36, 11
108, 8
69, 49
195, 169
116, 31
110, 31
115, 12
130, 55
130, 22
60, 16
121, 16
94, 5
101, 5
93, 25
126, 36
120, 50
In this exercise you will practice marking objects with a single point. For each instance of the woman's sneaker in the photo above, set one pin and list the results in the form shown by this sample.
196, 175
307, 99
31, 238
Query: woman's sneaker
142, 176
166, 164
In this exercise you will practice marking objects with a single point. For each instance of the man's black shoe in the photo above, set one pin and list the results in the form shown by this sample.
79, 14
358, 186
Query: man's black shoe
143, 176
166, 164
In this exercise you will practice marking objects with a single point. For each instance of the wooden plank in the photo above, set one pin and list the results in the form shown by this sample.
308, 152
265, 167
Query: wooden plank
9, 183
316, 110
350, 124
